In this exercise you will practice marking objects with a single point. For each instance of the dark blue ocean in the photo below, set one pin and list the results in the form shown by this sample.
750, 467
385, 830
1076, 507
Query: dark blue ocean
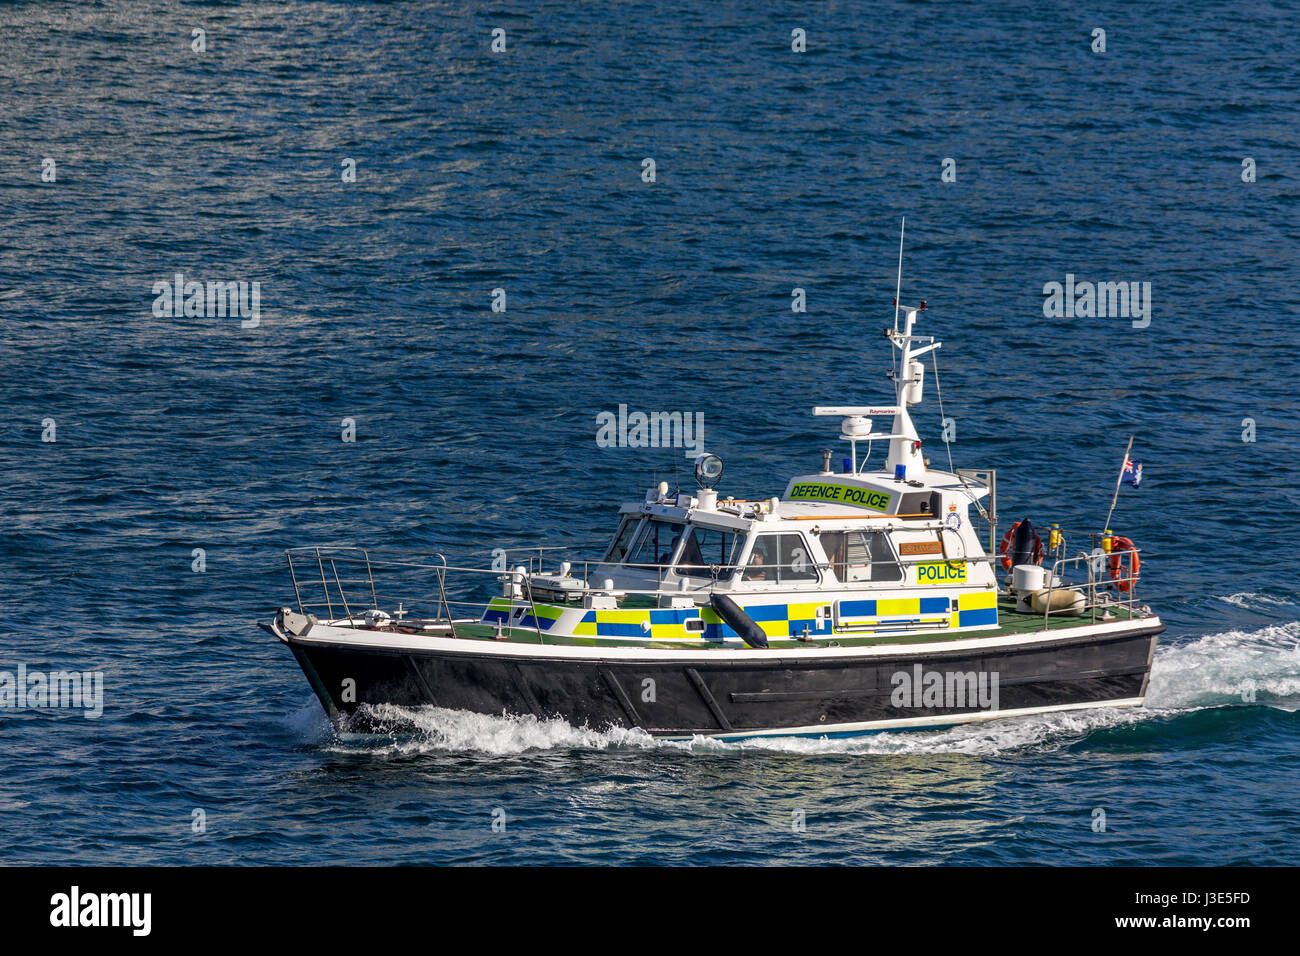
475, 429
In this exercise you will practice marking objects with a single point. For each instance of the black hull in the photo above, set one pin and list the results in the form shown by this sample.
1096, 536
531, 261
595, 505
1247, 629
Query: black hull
722, 698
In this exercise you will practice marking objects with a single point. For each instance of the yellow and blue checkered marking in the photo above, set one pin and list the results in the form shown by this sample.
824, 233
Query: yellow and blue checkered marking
893, 613
902, 607
969, 609
973, 609
499, 611
776, 620
977, 607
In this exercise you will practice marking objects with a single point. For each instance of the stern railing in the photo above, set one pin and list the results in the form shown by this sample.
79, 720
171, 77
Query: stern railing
1101, 592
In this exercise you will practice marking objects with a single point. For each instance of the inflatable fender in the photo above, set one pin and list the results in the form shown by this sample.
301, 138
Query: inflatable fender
738, 620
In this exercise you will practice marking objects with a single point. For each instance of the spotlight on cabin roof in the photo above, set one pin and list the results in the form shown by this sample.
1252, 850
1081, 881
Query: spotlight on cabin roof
708, 470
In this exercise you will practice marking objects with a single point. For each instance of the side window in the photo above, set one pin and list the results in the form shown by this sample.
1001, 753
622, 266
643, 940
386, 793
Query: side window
782, 558
618, 549
857, 557
833, 543
861, 556
884, 566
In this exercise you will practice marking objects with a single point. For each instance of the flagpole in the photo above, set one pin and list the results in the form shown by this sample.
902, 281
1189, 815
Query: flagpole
1118, 481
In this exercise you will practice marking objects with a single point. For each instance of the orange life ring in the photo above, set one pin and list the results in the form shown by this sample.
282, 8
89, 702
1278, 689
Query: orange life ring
1005, 547
1121, 548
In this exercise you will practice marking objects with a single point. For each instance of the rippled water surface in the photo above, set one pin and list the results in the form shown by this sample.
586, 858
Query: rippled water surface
475, 429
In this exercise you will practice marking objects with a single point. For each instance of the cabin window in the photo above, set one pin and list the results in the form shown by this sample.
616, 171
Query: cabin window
781, 558
622, 539
655, 544
706, 548
861, 556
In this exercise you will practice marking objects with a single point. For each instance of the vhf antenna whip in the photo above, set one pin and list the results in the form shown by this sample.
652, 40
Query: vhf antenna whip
898, 289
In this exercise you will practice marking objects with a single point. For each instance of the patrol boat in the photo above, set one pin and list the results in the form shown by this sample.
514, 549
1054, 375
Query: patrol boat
858, 601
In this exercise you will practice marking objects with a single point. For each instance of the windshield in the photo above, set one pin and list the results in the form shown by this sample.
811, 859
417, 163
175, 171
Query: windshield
618, 548
654, 544
707, 548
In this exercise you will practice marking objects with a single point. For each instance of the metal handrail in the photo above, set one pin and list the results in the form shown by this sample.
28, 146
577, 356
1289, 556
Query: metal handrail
1096, 589
521, 587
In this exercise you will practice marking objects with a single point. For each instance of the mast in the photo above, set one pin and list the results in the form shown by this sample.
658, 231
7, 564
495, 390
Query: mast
904, 443
905, 458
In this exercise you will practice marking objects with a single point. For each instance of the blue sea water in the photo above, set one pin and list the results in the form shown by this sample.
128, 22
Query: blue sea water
475, 429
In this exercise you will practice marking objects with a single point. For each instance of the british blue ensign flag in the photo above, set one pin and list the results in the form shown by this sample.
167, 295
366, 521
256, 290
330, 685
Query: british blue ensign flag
1132, 472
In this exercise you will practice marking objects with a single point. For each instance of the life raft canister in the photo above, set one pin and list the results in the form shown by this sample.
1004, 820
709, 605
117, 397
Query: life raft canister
1021, 546
1124, 563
